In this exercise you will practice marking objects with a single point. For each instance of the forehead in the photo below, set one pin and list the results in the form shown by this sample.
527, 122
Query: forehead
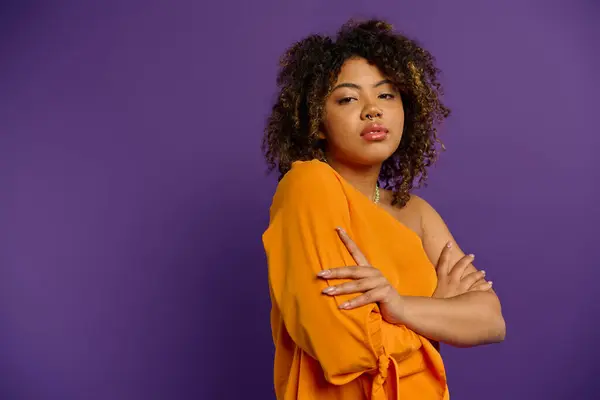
357, 70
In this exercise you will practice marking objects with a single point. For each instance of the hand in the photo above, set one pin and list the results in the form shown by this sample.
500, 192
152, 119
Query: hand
451, 282
369, 281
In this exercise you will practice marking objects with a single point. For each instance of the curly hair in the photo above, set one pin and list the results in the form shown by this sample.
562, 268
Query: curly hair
308, 71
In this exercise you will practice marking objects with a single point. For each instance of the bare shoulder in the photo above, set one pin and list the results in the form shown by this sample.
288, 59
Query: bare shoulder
436, 234
425, 211
409, 215
420, 216
433, 230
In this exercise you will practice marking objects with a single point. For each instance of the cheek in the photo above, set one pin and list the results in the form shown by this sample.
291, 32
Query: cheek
396, 112
395, 117
338, 123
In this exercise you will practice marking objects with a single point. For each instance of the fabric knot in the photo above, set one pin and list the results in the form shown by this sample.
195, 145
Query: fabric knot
378, 392
383, 363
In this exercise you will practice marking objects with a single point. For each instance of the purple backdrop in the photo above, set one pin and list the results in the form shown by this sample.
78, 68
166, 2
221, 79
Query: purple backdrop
133, 198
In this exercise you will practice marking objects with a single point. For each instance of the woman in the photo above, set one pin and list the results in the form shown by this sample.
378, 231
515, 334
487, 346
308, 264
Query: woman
364, 279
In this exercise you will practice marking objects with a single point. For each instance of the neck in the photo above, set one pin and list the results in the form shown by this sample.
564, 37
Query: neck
363, 178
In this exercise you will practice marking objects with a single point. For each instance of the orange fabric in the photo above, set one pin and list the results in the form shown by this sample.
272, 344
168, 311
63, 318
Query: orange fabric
322, 352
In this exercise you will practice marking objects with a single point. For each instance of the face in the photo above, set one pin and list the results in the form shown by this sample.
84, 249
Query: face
364, 117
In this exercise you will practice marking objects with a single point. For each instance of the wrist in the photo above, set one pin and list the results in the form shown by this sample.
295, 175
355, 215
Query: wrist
410, 308
399, 307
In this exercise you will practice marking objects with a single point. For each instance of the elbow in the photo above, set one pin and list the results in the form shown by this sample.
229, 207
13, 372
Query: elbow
499, 330
496, 325
494, 331
491, 330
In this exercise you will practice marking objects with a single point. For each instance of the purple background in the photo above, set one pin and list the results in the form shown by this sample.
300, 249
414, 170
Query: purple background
133, 193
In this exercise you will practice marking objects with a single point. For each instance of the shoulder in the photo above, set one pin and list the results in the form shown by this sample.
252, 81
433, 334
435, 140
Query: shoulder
435, 230
308, 182
412, 214
308, 177
421, 207
308, 171
428, 218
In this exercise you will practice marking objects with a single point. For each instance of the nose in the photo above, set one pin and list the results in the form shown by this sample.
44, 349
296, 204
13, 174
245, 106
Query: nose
371, 112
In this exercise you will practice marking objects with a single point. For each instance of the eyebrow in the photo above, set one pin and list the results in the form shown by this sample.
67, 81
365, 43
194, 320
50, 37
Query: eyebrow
355, 86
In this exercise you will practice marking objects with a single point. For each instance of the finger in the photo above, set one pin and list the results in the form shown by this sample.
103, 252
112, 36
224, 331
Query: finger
481, 287
357, 286
479, 282
355, 252
443, 266
372, 296
349, 272
459, 268
472, 278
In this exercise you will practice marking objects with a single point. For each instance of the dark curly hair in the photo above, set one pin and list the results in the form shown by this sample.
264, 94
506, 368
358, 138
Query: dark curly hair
310, 67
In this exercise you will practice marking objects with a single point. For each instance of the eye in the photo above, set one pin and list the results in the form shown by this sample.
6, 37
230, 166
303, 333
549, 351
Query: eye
387, 96
346, 100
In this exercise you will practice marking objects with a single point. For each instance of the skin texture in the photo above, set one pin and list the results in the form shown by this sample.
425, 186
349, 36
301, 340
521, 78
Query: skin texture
361, 96
323, 108
310, 69
463, 311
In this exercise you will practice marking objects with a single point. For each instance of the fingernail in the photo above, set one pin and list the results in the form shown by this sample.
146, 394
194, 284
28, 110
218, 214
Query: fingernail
472, 255
329, 290
345, 305
340, 230
449, 244
490, 283
324, 272
483, 272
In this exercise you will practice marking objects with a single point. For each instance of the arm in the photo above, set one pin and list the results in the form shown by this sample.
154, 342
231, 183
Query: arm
300, 242
469, 319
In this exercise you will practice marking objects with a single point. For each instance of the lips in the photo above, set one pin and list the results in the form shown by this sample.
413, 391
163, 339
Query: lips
374, 132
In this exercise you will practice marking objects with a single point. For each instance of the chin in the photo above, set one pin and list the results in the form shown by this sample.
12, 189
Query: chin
368, 155
374, 159
377, 155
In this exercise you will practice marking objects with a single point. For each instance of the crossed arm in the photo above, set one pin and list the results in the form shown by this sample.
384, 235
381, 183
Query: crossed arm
464, 310
346, 337
471, 318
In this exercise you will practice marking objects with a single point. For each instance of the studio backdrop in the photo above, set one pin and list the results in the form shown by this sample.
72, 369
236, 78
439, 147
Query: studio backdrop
133, 192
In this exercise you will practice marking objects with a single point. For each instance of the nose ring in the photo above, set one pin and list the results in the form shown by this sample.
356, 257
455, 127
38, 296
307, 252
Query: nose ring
370, 117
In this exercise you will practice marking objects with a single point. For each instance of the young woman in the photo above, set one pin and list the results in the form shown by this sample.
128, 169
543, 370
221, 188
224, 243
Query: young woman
365, 278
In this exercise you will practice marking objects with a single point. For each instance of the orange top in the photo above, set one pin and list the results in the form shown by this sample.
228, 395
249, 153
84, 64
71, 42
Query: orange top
321, 351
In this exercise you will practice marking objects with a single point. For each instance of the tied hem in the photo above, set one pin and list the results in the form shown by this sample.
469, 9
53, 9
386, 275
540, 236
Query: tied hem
384, 363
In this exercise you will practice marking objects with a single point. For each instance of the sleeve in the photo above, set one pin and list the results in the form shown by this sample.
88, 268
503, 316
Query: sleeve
301, 241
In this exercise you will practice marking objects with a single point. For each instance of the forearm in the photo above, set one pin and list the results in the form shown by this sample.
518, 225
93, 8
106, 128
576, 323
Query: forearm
471, 319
